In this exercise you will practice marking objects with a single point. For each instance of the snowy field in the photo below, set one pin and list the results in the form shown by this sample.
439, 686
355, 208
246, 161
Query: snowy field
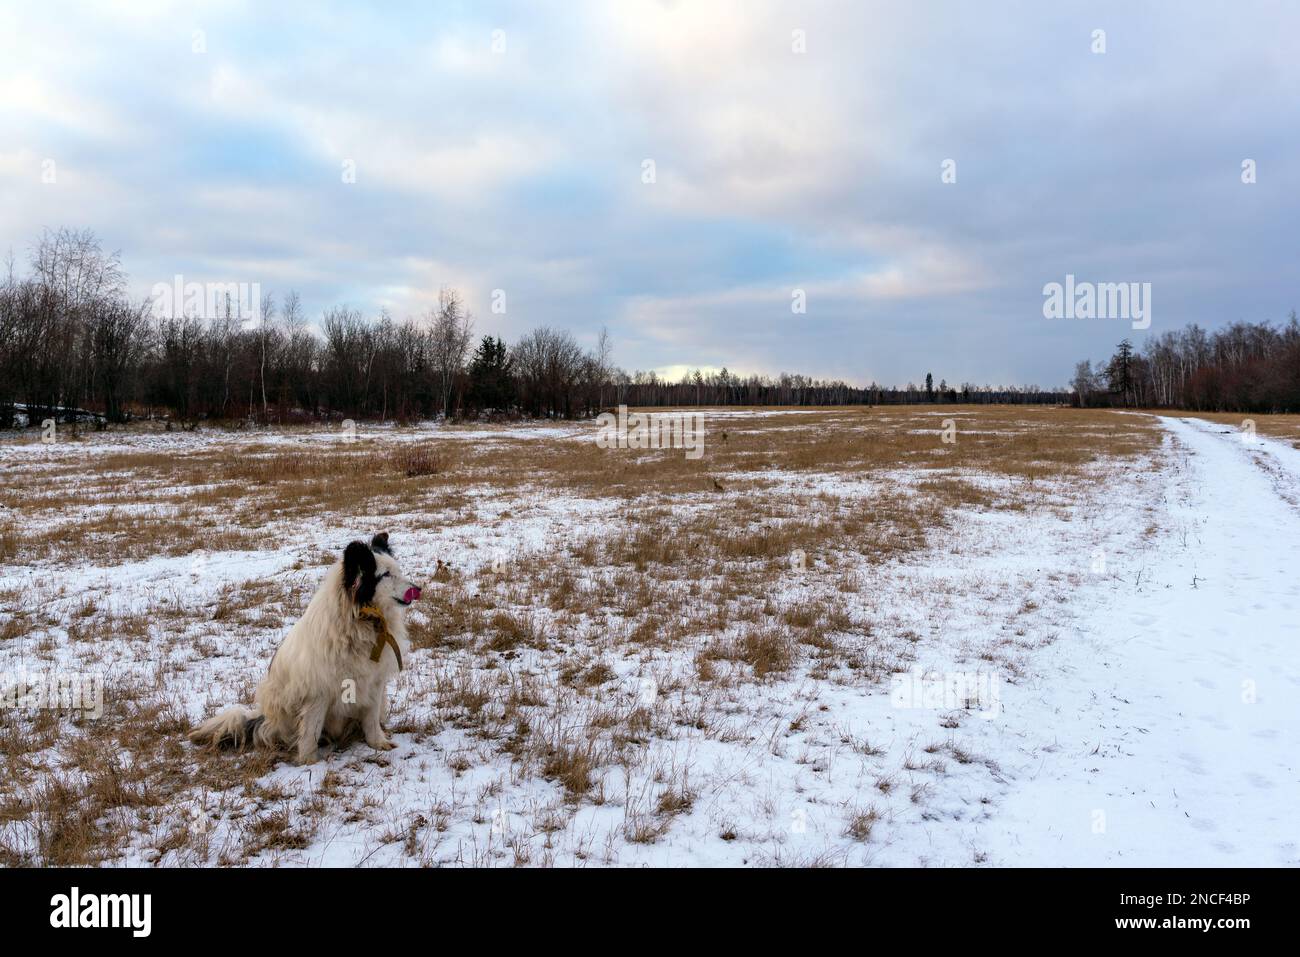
945, 637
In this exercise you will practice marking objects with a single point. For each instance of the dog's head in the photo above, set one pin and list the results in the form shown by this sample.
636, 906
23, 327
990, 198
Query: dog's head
371, 574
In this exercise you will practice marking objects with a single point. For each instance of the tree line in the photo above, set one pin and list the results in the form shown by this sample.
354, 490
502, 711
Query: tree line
73, 342
1244, 367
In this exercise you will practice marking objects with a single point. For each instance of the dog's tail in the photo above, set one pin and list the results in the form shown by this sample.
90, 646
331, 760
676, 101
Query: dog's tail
233, 728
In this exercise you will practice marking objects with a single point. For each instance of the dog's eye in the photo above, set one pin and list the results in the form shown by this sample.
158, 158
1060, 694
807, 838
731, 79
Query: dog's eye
383, 576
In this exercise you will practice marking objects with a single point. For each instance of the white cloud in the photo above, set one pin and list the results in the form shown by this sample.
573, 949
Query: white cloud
390, 147
818, 170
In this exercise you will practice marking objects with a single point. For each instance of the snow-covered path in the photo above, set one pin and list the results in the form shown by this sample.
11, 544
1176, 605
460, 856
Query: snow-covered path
1176, 740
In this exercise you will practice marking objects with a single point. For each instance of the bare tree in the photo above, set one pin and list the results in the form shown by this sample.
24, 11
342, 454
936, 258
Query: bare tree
604, 364
74, 265
549, 364
117, 333
451, 328
346, 345
1084, 382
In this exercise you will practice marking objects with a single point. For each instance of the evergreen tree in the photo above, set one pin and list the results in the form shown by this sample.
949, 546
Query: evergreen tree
1120, 373
490, 375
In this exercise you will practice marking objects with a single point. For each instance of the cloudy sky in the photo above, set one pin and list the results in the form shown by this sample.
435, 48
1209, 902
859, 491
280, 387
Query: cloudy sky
504, 146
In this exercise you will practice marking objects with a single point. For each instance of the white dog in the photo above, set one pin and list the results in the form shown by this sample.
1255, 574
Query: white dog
330, 675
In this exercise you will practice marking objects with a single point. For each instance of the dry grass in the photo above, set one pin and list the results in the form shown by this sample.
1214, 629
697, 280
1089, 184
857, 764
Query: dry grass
1285, 427
861, 823
219, 496
82, 809
690, 590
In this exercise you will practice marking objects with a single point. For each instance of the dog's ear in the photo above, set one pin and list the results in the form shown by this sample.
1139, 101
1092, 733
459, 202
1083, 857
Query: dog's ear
359, 572
380, 543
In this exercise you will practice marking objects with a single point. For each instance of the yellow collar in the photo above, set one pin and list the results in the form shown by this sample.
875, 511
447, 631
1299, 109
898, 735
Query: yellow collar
385, 637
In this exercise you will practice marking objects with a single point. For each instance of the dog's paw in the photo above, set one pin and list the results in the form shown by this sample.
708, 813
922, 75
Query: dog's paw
382, 744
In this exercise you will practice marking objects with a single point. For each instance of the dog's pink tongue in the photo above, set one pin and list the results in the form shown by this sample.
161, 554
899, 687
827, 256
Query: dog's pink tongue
411, 594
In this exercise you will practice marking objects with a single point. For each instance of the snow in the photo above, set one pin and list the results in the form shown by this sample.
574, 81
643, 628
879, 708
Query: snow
1175, 742
1140, 636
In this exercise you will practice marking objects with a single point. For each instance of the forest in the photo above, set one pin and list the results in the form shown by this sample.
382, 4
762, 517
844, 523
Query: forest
1242, 367
74, 344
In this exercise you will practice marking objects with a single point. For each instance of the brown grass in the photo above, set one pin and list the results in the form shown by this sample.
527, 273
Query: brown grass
1285, 427
220, 496
761, 581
